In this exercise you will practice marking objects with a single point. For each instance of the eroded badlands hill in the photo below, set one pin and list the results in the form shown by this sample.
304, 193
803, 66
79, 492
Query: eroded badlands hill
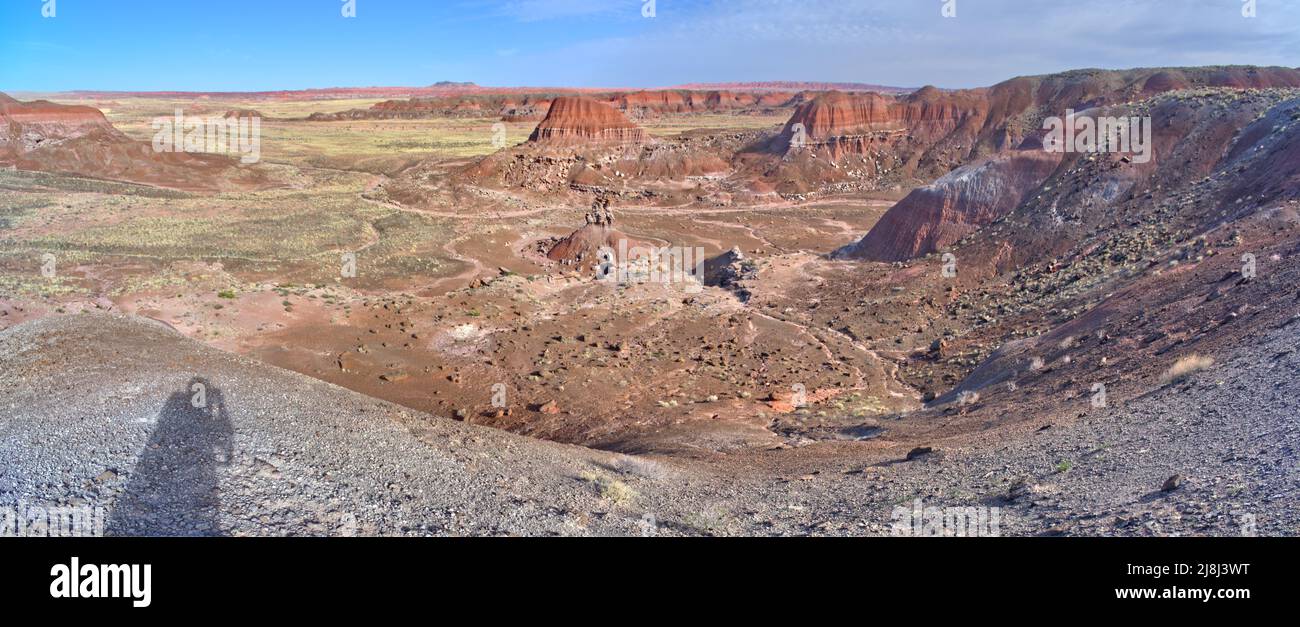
578, 120
870, 141
47, 137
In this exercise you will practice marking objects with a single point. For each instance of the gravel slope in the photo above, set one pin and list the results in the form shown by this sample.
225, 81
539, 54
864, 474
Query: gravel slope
97, 410
1231, 432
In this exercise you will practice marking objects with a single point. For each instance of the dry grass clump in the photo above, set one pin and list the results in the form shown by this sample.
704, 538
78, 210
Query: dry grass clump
1185, 367
610, 489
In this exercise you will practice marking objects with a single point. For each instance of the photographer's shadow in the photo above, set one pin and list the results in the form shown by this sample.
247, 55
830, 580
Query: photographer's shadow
174, 488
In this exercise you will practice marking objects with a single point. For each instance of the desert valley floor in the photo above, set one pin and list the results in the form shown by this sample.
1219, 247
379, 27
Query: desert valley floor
905, 299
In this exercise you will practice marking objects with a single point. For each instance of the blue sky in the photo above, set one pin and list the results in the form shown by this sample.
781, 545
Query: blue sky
245, 45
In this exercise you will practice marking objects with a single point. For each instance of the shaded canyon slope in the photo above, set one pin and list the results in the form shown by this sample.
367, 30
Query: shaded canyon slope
871, 141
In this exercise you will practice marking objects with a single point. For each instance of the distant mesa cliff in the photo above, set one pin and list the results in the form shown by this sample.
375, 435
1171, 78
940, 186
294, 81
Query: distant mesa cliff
534, 106
643, 103
26, 126
967, 124
578, 120
79, 141
795, 86
841, 123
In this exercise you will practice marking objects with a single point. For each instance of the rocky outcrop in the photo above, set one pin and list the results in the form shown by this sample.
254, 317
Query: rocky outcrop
585, 244
731, 270
580, 120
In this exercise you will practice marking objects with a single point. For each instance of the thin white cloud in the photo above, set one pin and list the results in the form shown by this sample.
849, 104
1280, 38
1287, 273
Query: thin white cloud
909, 42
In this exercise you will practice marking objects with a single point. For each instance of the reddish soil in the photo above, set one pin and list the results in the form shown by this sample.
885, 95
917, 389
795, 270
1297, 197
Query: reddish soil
1070, 272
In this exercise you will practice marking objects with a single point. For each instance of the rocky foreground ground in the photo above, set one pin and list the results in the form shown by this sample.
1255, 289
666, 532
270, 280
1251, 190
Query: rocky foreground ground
100, 410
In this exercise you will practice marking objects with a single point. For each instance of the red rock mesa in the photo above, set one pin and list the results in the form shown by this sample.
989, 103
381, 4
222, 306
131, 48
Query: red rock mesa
576, 119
